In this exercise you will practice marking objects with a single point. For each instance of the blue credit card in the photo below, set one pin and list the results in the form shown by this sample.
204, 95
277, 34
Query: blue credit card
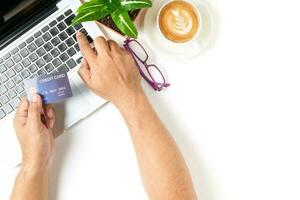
52, 87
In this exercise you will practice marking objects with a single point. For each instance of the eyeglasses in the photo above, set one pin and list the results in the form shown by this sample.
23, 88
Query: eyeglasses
150, 72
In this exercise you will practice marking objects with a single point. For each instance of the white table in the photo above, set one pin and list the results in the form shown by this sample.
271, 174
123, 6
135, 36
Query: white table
234, 111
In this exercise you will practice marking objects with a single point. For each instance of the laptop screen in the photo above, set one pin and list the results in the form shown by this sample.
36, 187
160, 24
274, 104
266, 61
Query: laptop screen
14, 13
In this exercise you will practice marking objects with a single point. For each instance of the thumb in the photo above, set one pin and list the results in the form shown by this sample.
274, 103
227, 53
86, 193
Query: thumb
35, 108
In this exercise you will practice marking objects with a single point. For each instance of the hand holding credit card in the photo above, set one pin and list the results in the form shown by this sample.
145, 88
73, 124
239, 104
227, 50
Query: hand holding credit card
52, 87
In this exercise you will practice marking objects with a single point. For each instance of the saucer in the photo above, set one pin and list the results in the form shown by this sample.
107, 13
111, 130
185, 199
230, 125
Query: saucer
189, 50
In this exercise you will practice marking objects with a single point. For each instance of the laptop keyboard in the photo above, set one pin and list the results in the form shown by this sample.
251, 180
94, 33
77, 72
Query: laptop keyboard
48, 50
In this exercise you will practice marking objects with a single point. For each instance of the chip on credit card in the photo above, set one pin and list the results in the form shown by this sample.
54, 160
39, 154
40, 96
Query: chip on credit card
52, 87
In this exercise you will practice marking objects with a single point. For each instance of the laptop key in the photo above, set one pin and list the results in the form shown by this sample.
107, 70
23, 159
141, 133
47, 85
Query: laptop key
3, 89
71, 52
25, 62
22, 45
55, 52
61, 17
32, 68
64, 57
78, 61
70, 42
4, 99
69, 19
24, 52
17, 58
15, 102
39, 42
62, 36
2, 114
33, 57
78, 26
11, 73
70, 31
40, 52
56, 62
2, 69
47, 37
55, 41
61, 26
12, 94
48, 57
18, 67
18, 79
8, 108
71, 63
54, 31
53, 23
25, 74
10, 84
19, 89
1, 60
6, 56
9, 63
49, 67
68, 12
37, 34
62, 47
76, 46
41, 72
14, 51
63, 68
3, 78
29, 40
48, 46
31, 47
44, 29
40, 63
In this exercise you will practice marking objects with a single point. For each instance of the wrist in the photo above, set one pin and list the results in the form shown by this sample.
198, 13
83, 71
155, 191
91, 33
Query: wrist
130, 99
34, 170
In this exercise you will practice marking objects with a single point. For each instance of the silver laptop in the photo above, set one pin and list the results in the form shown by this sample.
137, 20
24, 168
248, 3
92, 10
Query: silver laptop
36, 38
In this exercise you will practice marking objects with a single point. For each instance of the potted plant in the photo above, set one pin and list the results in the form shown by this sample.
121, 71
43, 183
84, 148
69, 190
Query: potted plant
116, 14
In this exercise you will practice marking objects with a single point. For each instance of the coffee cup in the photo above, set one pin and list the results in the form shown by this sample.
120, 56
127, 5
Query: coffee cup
179, 21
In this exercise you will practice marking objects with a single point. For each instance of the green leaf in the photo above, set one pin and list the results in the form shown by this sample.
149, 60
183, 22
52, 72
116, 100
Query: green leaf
94, 5
129, 5
124, 23
90, 16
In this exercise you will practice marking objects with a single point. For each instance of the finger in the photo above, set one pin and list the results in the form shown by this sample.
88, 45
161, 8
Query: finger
50, 113
85, 46
101, 45
114, 46
35, 109
22, 110
84, 71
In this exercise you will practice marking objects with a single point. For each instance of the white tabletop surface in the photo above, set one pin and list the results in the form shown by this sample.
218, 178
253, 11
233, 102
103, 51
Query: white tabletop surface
234, 111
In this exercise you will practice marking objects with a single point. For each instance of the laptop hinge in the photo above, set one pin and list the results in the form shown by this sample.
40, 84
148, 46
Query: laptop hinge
23, 28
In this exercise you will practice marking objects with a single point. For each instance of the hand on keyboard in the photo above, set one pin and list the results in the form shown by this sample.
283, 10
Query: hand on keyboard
34, 132
111, 72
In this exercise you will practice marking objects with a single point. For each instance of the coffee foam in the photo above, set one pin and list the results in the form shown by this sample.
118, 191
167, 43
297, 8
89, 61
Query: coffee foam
178, 21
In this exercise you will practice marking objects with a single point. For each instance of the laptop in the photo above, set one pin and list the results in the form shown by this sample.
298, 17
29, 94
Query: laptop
37, 38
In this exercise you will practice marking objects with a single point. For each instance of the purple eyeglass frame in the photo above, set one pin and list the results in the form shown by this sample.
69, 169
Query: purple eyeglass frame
152, 82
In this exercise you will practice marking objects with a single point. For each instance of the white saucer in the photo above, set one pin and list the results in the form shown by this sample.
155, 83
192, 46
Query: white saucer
182, 51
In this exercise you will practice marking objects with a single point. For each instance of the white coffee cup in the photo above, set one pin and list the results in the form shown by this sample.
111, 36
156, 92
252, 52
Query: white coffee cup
197, 12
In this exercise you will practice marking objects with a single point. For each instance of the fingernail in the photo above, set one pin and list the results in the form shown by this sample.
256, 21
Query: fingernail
79, 33
35, 98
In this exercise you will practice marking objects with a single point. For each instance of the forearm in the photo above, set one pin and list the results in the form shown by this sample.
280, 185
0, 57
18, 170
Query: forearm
163, 169
31, 184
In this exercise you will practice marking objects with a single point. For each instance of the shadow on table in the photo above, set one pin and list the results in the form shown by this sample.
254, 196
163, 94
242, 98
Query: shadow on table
201, 178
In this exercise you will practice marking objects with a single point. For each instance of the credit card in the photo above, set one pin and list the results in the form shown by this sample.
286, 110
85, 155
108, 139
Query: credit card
52, 87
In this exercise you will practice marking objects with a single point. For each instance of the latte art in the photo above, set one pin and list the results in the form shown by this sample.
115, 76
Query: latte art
178, 21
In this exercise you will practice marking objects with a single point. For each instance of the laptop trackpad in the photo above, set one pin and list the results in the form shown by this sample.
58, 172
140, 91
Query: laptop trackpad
70, 111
